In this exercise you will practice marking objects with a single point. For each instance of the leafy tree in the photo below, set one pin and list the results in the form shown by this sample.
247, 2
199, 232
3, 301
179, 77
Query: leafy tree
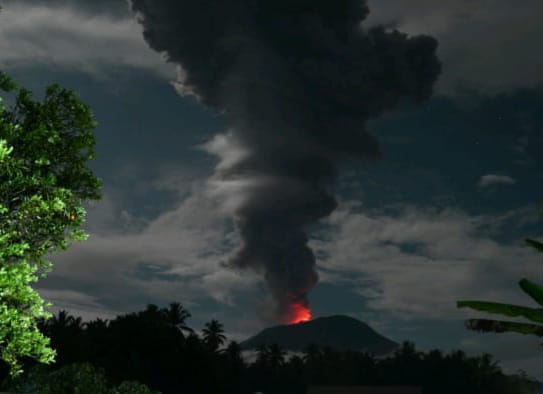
131, 387
43, 180
213, 335
533, 314
81, 378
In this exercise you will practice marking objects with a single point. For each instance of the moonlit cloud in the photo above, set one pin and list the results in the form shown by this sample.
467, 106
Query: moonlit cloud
32, 36
180, 251
417, 263
485, 45
492, 179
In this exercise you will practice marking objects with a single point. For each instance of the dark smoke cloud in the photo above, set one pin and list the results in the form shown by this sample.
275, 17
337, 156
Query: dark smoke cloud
296, 81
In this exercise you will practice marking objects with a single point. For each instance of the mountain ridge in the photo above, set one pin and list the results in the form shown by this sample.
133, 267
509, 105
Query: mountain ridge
338, 332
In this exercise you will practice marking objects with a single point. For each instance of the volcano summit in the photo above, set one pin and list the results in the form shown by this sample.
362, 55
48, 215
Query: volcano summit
337, 332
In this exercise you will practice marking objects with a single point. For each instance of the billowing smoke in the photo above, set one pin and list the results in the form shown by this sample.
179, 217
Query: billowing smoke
296, 81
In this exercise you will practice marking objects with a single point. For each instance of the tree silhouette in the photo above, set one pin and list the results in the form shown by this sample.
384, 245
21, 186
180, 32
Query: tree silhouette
145, 347
176, 315
276, 356
233, 353
262, 356
312, 354
98, 325
213, 335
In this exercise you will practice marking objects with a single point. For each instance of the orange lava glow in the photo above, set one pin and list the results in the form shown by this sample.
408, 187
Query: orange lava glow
298, 314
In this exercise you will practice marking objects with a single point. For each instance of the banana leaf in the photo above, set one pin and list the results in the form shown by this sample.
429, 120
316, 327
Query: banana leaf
486, 325
503, 309
534, 244
533, 290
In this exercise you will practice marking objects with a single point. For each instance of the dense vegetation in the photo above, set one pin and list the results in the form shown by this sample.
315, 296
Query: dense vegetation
44, 179
157, 348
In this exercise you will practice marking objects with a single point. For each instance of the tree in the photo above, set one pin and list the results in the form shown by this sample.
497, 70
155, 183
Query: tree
536, 315
233, 354
43, 180
312, 354
262, 355
276, 356
176, 315
98, 325
213, 335
82, 378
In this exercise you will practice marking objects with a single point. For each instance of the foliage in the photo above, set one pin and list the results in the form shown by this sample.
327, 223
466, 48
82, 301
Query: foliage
146, 347
80, 378
486, 325
213, 335
43, 180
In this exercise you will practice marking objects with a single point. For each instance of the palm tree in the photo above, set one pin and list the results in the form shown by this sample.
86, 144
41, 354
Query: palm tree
176, 316
276, 356
262, 355
151, 311
312, 354
485, 368
433, 357
61, 323
233, 354
76, 325
407, 353
213, 335
97, 325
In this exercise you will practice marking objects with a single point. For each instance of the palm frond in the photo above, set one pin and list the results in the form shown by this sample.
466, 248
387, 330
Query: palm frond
534, 244
499, 326
533, 290
503, 309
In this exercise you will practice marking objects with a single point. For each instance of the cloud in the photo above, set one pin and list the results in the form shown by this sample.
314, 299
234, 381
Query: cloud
417, 263
77, 303
492, 179
485, 45
92, 36
175, 256
33, 35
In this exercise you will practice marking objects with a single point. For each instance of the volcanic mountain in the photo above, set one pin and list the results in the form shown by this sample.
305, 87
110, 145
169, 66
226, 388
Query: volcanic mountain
337, 332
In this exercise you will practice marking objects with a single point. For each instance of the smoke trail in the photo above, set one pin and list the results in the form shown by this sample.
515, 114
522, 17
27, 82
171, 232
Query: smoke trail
296, 81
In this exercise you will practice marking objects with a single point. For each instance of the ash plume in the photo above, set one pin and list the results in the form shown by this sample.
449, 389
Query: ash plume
296, 82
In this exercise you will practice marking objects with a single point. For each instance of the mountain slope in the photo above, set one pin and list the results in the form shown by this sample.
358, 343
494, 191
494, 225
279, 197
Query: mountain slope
338, 332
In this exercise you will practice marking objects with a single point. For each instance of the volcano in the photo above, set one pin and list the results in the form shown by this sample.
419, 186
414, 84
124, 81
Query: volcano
337, 332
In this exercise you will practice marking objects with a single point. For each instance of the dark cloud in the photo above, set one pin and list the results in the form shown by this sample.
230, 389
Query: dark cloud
296, 82
487, 44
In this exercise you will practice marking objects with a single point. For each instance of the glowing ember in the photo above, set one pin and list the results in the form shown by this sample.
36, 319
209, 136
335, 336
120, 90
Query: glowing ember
298, 314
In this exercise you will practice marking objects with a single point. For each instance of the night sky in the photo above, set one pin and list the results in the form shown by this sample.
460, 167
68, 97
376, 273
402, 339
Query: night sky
415, 181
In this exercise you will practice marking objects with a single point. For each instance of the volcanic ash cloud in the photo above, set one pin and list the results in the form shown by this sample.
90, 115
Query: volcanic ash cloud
296, 82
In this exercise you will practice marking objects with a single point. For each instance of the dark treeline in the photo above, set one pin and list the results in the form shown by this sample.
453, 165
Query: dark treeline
157, 348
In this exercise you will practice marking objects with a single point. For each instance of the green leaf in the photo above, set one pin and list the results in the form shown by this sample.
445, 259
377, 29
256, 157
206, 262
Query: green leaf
486, 325
533, 290
534, 244
34, 210
6, 83
503, 309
